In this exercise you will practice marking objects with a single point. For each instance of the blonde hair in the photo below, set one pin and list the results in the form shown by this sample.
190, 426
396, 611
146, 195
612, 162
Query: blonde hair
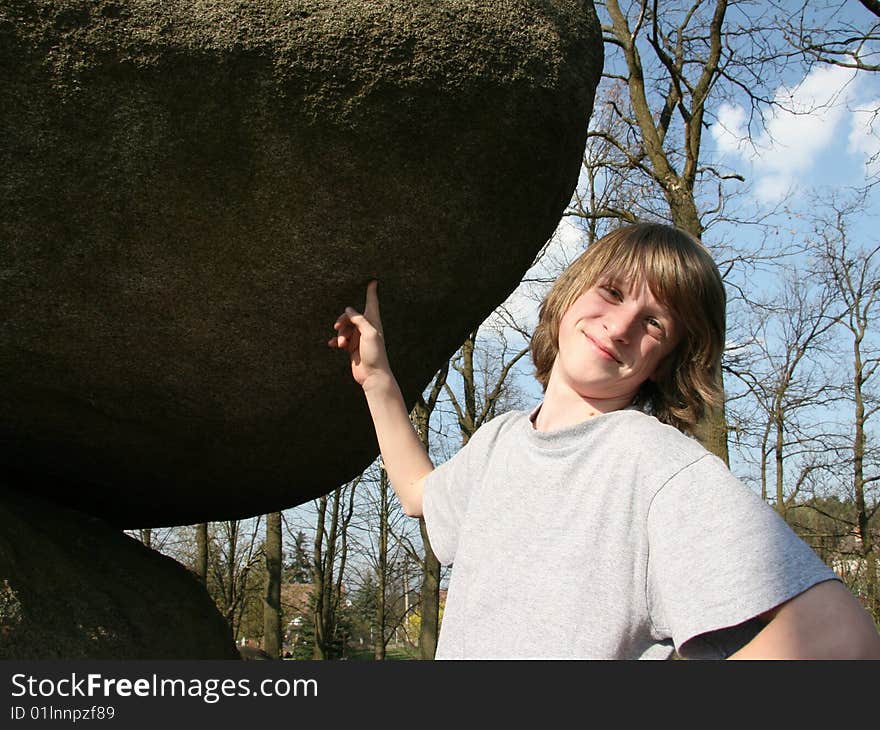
683, 277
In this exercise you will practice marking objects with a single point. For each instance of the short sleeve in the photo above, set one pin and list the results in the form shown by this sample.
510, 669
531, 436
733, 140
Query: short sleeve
444, 504
718, 558
449, 487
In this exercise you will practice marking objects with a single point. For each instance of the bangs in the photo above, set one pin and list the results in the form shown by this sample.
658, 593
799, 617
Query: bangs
662, 269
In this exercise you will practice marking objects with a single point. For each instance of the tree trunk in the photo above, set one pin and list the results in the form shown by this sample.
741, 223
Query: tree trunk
382, 572
780, 496
232, 593
429, 594
331, 543
866, 542
319, 580
272, 605
711, 430
202, 543
429, 628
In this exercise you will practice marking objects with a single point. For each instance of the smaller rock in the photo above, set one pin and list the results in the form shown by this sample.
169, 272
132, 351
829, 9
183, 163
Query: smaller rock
71, 587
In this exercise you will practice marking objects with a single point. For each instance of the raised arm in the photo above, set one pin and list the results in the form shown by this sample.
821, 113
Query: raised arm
406, 460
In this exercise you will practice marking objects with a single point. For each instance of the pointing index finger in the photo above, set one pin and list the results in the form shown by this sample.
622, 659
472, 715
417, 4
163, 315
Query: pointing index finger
371, 310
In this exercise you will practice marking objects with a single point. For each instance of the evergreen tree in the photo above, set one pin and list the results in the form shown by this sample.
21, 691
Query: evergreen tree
299, 567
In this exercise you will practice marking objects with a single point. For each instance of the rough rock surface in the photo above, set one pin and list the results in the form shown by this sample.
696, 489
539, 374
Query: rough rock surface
190, 193
71, 587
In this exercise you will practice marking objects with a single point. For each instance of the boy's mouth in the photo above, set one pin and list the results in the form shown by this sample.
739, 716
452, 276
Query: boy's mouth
610, 353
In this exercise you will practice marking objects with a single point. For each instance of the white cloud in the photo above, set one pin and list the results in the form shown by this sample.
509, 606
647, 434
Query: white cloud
803, 123
770, 188
729, 131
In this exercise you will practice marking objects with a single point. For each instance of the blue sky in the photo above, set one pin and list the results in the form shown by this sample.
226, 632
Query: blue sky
823, 130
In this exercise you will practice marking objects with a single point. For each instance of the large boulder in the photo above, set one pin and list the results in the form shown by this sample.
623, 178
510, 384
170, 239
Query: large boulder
190, 193
73, 588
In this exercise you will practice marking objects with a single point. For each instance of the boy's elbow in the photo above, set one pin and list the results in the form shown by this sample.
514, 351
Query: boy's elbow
411, 500
412, 505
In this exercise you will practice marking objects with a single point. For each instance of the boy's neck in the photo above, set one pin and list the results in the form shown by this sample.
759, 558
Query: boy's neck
563, 408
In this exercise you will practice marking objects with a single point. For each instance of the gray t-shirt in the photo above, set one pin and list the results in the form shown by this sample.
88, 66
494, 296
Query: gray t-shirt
616, 538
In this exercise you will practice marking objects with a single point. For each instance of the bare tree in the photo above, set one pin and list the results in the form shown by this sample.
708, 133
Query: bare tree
837, 32
233, 559
608, 190
487, 387
334, 514
854, 273
785, 378
383, 546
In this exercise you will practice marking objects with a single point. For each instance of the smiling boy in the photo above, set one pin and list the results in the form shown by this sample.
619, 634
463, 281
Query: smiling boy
594, 526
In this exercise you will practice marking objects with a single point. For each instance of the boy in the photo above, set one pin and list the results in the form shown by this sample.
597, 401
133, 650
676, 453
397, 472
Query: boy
594, 527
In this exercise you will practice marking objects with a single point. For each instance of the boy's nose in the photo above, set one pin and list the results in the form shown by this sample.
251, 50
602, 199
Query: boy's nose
619, 325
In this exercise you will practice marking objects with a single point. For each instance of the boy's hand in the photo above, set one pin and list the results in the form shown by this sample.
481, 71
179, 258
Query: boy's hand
404, 455
361, 336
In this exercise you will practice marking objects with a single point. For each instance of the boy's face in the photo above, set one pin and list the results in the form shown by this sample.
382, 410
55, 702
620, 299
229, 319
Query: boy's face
612, 339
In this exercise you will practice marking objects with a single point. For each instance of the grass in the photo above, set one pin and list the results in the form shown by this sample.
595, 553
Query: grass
392, 653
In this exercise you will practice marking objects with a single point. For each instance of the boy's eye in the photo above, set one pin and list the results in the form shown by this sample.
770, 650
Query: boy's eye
612, 291
656, 326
